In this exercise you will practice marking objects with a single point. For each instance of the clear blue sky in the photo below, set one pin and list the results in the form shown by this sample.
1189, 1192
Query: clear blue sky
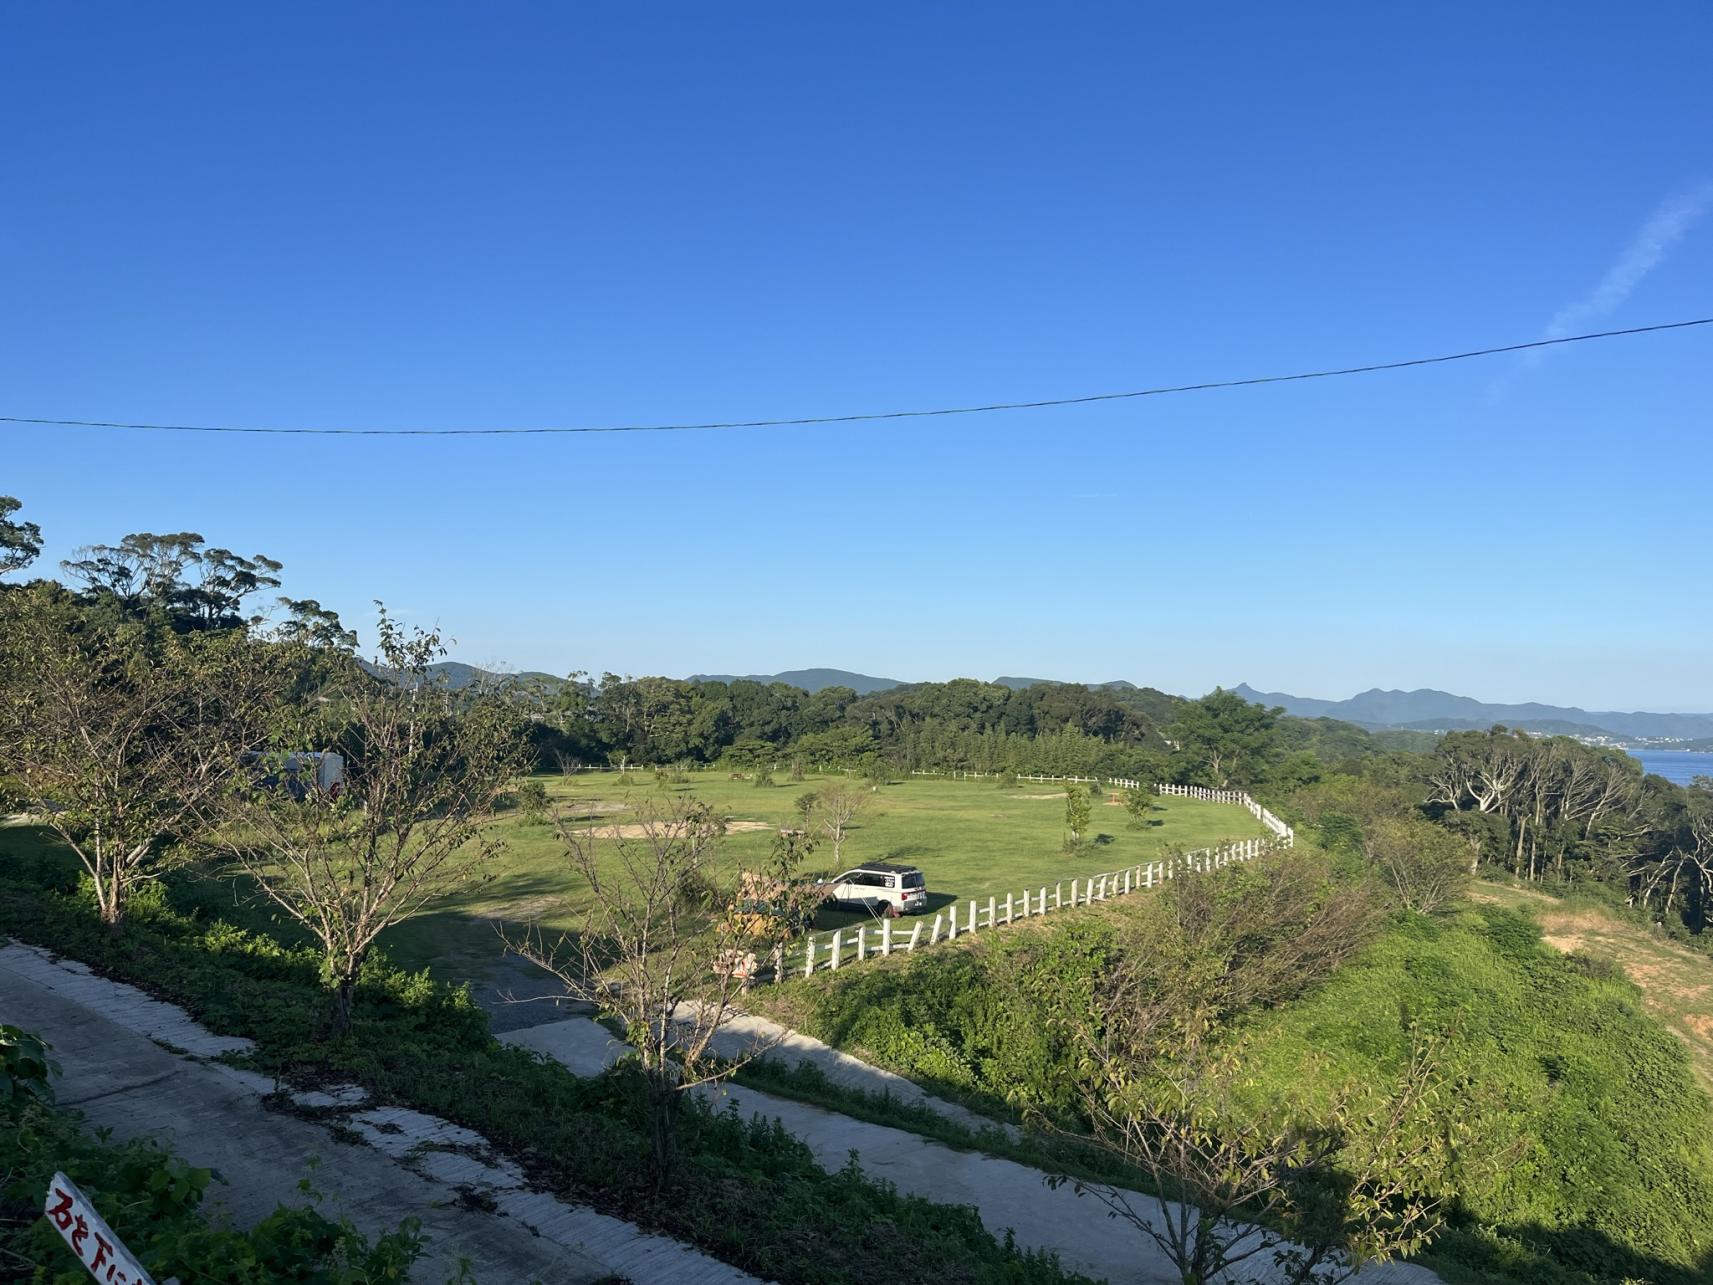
424, 215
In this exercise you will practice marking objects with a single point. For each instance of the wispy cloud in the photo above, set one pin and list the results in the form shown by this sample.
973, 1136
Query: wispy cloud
1646, 251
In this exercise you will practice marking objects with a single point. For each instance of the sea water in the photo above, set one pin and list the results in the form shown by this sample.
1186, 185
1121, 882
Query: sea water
1675, 765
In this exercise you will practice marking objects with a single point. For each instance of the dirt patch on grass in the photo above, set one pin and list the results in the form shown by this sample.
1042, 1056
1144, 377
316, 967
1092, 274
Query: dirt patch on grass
641, 831
1059, 795
1509, 894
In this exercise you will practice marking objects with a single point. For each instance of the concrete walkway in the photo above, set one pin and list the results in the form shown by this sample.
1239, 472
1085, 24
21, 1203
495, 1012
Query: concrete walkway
138, 1066
750, 1035
1004, 1193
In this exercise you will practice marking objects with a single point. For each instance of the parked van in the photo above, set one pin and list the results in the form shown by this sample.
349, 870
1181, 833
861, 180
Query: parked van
882, 888
294, 772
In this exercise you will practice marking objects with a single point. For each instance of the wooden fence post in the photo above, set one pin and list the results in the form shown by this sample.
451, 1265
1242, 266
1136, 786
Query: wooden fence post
809, 955
1008, 907
934, 936
991, 921
886, 936
972, 926
914, 934
862, 942
837, 933
1058, 895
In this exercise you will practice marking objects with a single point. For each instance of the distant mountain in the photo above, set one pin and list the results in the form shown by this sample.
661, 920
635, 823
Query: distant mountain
456, 676
810, 680
1018, 684
1430, 710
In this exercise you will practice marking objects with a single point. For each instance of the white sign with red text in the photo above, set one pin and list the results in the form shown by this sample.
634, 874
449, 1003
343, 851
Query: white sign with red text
91, 1239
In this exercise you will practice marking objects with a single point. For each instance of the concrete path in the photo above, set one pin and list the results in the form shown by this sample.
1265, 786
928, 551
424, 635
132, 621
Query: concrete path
137, 1066
748, 1034
1004, 1193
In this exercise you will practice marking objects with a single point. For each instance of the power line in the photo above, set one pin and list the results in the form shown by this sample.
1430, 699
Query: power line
872, 416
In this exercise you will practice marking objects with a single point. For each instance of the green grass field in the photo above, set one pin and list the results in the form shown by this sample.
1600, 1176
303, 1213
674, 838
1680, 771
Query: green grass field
970, 838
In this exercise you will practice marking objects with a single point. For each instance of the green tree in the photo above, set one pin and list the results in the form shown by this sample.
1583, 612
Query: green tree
1079, 812
1139, 802
1226, 740
405, 826
20, 542
1425, 866
119, 735
176, 576
310, 624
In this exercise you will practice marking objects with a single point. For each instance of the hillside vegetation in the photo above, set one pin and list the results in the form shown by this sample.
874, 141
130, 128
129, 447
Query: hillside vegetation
1588, 1153
1675, 983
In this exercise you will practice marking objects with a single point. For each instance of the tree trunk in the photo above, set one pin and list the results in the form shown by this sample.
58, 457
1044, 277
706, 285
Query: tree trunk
663, 1105
344, 999
110, 897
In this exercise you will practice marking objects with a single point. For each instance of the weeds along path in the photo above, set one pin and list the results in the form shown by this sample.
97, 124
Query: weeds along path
139, 1066
1006, 1194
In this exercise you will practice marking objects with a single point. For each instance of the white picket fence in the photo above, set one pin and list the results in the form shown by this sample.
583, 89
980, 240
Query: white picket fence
887, 936
1261, 814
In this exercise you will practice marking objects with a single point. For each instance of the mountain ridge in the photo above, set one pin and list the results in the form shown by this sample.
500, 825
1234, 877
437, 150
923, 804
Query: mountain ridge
1427, 708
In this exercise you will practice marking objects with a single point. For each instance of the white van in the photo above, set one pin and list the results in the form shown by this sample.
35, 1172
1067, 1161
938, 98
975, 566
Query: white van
881, 888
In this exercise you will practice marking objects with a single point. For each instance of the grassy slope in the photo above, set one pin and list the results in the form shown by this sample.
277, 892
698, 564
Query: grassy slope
1607, 1142
1676, 985
970, 838
1607, 1168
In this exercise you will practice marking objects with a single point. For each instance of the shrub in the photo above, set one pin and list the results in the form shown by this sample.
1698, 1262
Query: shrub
533, 801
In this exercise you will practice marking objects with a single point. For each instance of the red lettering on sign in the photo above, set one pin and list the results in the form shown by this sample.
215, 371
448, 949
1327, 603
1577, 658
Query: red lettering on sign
61, 1213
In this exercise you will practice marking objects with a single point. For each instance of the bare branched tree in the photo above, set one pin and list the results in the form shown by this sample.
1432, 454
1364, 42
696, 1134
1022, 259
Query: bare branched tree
1360, 1179
837, 807
118, 734
667, 944
349, 859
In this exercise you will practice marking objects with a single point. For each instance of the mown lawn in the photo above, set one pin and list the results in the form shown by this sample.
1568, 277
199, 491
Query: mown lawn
970, 838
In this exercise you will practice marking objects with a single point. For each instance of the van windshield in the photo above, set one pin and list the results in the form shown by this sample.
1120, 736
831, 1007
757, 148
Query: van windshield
914, 880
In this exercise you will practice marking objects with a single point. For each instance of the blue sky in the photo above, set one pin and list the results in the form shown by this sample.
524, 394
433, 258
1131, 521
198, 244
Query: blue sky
424, 215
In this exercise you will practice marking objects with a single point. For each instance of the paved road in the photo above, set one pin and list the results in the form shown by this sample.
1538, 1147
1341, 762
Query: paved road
109, 1041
